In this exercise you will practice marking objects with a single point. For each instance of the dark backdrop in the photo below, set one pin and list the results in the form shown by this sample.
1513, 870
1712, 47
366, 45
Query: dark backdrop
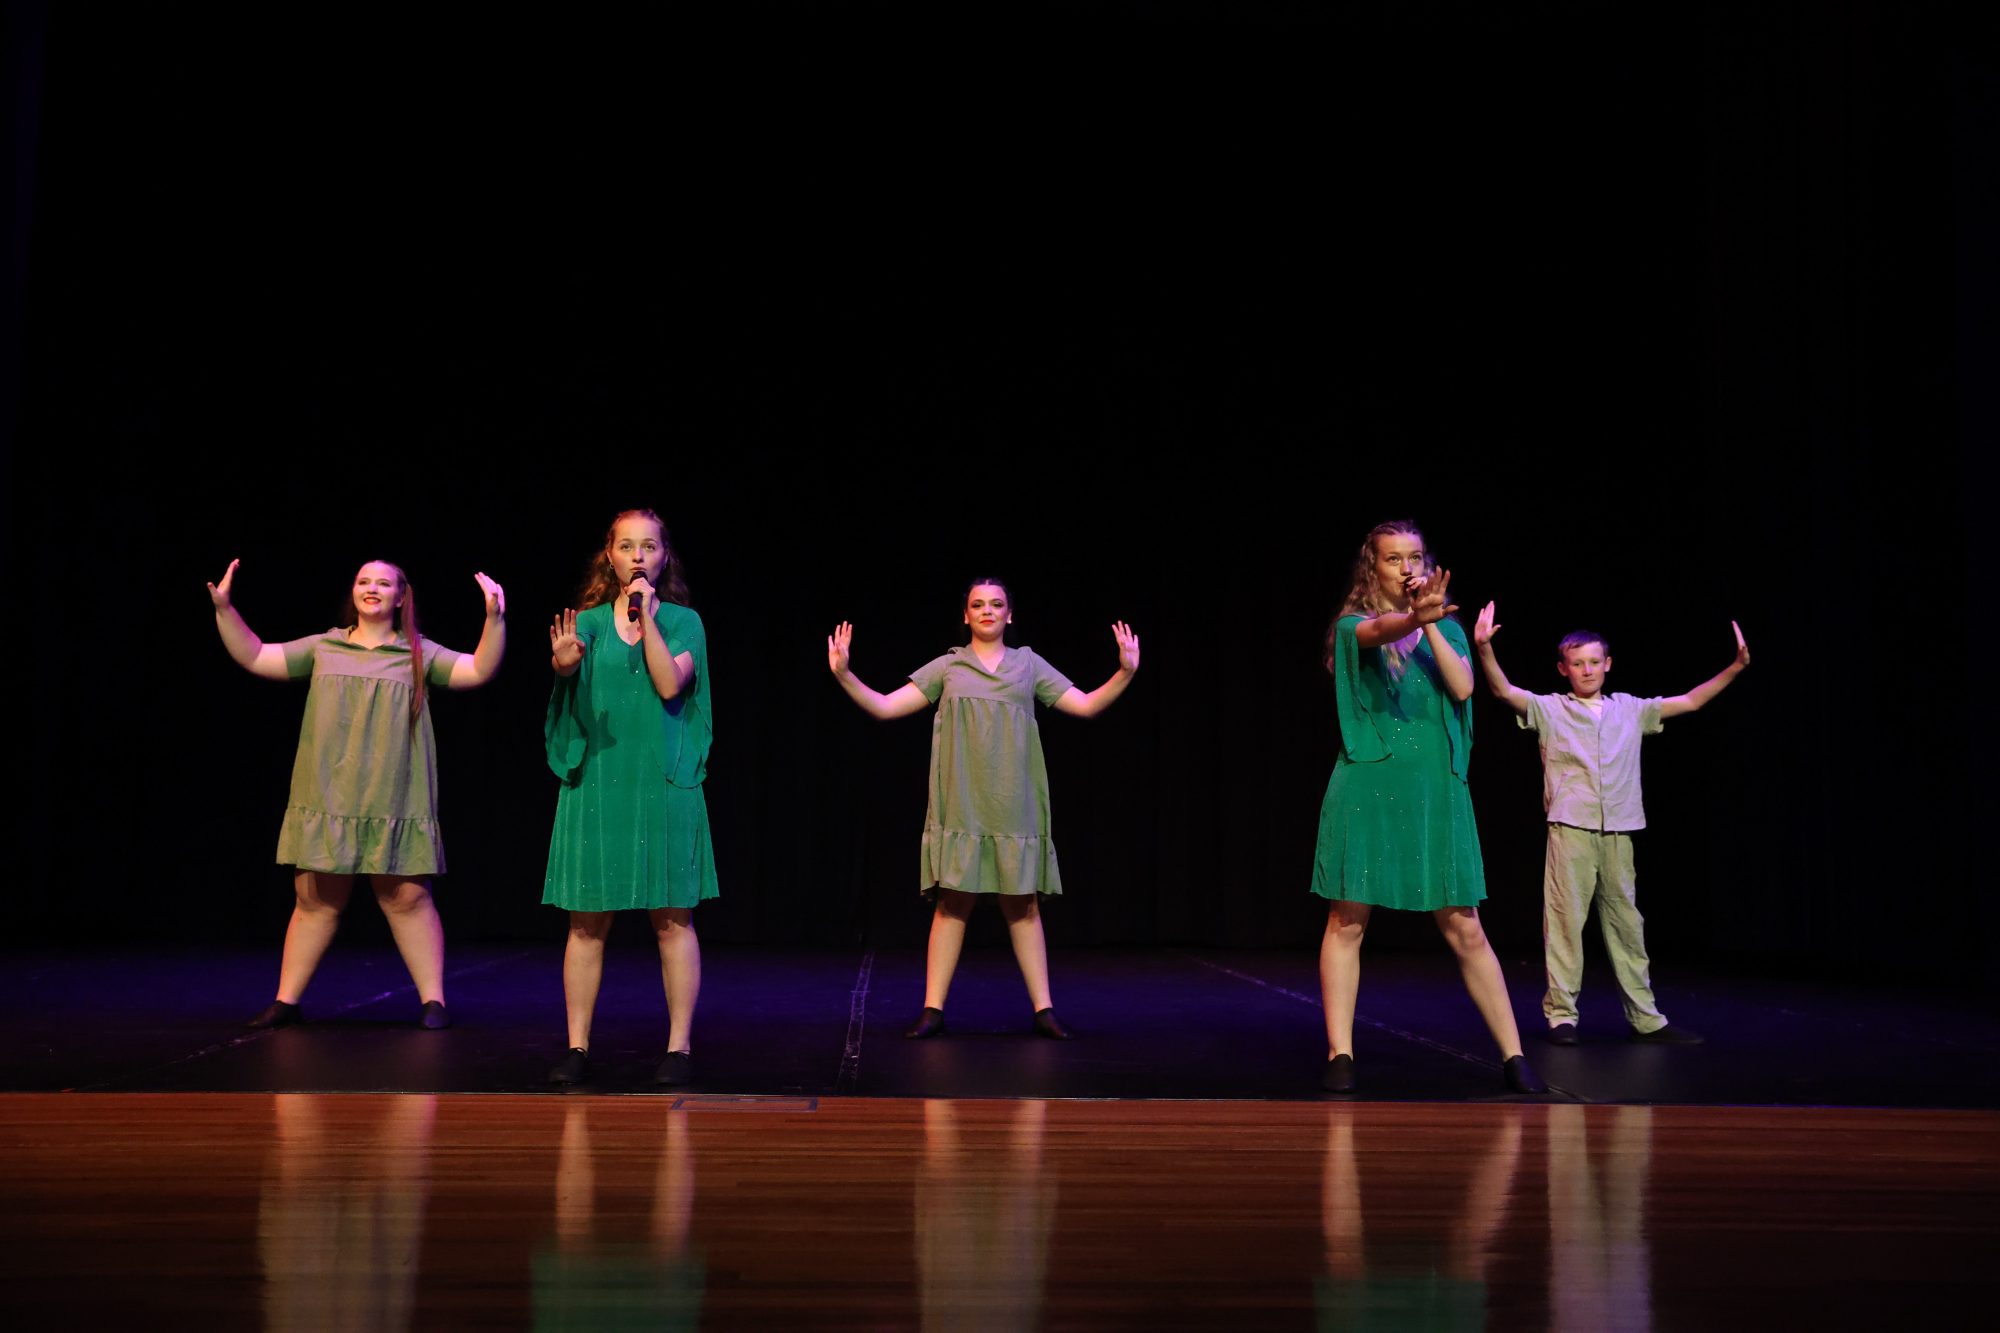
1651, 320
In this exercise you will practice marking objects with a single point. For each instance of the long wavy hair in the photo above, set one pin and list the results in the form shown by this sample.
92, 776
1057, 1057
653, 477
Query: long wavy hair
406, 626
600, 584
1364, 590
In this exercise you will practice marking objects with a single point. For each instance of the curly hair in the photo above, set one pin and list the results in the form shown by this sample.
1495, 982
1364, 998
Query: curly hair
1364, 590
600, 584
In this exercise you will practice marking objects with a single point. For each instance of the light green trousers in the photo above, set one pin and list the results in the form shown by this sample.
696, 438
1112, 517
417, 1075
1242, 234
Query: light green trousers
1583, 866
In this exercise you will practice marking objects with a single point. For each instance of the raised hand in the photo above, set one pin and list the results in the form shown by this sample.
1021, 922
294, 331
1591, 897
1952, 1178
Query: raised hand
1485, 627
1128, 646
1742, 648
1429, 598
837, 645
218, 593
565, 649
496, 596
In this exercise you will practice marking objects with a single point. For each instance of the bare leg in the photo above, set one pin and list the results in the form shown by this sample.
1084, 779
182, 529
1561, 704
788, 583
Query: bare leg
1481, 970
1024, 927
413, 920
583, 972
321, 898
1340, 972
947, 938
680, 970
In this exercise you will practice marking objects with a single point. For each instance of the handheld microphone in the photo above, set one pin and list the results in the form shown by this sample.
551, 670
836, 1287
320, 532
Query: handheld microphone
633, 602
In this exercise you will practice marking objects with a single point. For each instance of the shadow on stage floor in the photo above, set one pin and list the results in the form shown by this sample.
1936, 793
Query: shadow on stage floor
1164, 1023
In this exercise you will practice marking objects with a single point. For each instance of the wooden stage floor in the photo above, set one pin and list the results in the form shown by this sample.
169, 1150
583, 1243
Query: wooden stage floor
244, 1209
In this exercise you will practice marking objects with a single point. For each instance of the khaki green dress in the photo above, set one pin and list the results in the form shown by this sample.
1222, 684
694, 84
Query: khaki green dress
364, 783
987, 828
631, 827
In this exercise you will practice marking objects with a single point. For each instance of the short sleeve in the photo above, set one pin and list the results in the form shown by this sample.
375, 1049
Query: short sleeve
1359, 738
687, 635
1050, 684
930, 677
1535, 717
299, 655
1650, 721
438, 662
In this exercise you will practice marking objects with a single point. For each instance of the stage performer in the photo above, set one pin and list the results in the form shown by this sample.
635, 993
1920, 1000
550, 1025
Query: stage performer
364, 782
1590, 790
1396, 827
628, 733
986, 829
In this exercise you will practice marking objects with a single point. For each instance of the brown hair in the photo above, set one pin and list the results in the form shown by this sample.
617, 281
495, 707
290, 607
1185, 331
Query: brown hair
1576, 638
1364, 590
600, 584
406, 626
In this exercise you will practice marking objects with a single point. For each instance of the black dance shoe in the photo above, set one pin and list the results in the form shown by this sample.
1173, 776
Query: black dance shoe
676, 1069
574, 1067
929, 1024
434, 1017
1670, 1036
1562, 1034
1339, 1075
279, 1015
1521, 1076
1048, 1025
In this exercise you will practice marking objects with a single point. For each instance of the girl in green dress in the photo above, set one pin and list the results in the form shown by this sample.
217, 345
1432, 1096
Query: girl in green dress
364, 783
628, 732
987, 829
1396, 828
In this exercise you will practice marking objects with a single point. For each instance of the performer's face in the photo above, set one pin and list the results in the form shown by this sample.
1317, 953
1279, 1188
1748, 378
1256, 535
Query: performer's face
637, 548
987, 612
1585, 667
1399, 557
378, 590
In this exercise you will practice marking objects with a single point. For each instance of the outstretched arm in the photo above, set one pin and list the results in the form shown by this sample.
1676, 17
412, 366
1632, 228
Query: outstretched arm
469, 673
898, 703
1078, 704
1708, 689
1430, 603
1496, 679
246, 649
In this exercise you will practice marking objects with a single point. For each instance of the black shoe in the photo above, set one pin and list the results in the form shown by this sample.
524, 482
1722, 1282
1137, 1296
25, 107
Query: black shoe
1562, 1034
676, 1069
574, 1067
279, 1015
1520, 1075
1670, 1036
1047, 1025
1339, 1075
434, 1017
929, 1023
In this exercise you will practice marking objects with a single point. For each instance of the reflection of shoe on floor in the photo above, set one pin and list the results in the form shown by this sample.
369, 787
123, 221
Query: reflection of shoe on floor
1047, 1025
574, 1067
1670, 1036
1521, 1076
676, 1069
929, 1023
1339, 1075
279, 1015
1563, 1034
434, 1017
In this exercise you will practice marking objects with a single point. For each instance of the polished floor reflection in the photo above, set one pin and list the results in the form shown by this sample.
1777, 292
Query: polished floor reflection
421, 1211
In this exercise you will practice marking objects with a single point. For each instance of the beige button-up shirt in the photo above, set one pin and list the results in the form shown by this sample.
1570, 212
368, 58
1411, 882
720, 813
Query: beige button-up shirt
1590, 758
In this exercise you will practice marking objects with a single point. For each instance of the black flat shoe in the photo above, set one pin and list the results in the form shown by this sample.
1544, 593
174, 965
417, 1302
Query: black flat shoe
434, 1017
929, 1023
279, 1015
1047, 1025
574, 1067
1670, 1036
676, 1069
1339, 1075
1521, 1076
1562, 1034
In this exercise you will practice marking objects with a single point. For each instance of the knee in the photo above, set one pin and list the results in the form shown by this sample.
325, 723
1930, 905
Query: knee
589, 927
404, 898
673, 924
1026, 907
954, 905
1465, 935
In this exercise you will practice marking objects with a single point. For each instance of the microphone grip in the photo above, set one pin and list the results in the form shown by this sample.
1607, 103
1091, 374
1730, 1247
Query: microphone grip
632, 607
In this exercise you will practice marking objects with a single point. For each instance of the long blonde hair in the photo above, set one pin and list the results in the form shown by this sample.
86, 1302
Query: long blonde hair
1364, 590
406, 625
